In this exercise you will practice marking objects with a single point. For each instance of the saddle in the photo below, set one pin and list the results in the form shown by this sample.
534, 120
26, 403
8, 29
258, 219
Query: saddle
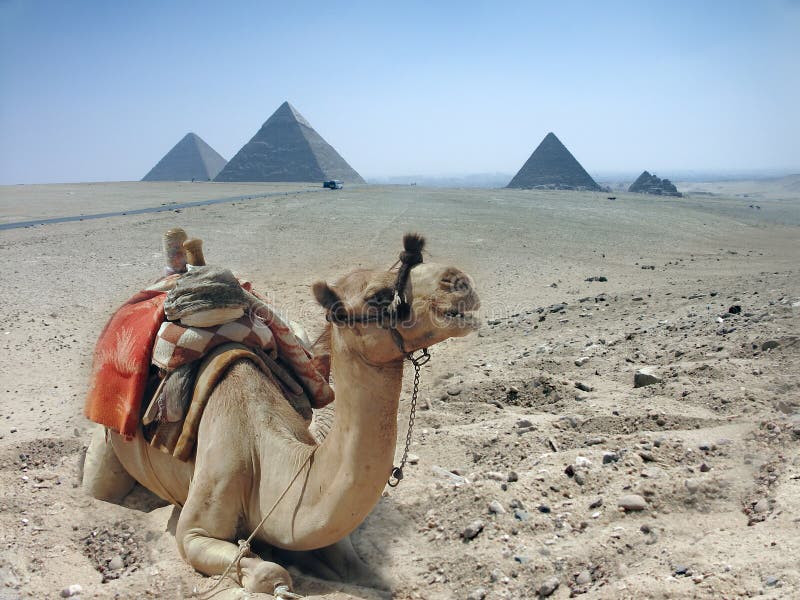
172, 418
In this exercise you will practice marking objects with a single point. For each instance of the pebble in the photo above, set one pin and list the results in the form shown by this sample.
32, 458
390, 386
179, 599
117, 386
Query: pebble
762, 506
496, 508
472, 530
769, 345
771, 581
596, 503
609, 457
632, 502
645, 376
73, 590
477, 594
681, 570
412, 459
581, 361
454, 391
584, 577
548, 587
583, 387
582, 461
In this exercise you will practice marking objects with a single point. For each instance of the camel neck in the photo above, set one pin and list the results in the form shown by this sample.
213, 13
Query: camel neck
349, 470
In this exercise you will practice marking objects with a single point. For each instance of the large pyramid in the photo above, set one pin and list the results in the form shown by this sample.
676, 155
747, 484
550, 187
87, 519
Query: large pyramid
287, 148
191, 158
552, 166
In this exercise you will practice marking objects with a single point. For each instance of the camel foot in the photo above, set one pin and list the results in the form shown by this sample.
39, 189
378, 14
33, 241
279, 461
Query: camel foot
267, 578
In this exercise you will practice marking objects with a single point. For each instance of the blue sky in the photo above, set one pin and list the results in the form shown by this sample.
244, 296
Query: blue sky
99, 91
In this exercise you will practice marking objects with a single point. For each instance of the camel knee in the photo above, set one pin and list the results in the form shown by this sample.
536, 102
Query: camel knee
104, 477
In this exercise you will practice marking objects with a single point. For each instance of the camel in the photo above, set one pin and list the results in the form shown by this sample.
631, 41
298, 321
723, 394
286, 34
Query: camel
256, 457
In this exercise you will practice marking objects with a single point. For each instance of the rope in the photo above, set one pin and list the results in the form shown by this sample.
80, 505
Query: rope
244, 545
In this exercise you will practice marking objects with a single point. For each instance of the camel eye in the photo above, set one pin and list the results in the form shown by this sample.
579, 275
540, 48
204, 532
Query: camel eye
381, 299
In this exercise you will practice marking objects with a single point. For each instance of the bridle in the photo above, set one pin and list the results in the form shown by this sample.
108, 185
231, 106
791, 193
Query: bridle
389, 318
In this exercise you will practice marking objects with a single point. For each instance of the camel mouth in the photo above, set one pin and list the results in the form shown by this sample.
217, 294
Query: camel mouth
455, 317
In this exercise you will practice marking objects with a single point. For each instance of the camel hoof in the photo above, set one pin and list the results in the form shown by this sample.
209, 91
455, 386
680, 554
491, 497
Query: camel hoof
282, 592
266, 577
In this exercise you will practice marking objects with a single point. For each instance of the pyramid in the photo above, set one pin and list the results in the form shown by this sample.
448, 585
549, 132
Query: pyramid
552, 166
287, 148
651, 184
191, 158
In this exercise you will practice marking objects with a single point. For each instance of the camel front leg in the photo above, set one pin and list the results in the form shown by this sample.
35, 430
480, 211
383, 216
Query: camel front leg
207, 522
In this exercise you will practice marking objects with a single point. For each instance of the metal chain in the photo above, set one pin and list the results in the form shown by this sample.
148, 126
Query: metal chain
397, 472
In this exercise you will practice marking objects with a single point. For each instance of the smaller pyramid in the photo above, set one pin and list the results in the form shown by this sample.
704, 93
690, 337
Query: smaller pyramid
650, 184
189, 159
287, 148
552, 167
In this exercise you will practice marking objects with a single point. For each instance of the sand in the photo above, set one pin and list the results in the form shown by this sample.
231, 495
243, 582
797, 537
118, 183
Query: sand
712, 449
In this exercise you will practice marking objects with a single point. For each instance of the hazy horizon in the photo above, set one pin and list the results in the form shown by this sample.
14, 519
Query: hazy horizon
93, 91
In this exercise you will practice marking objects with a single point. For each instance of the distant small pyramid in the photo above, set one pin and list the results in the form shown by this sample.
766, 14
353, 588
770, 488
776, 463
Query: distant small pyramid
552, 166
651, 184
287, 148
191, 158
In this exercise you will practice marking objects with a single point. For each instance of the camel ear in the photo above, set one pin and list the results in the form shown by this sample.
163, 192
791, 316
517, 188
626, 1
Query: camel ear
326, 296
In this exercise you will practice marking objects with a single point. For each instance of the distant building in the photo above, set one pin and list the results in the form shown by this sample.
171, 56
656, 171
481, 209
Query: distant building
552, 166
190, 159
287, 148
650, 184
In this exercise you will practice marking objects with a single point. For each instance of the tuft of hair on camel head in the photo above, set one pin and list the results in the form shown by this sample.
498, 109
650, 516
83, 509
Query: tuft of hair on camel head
413, 242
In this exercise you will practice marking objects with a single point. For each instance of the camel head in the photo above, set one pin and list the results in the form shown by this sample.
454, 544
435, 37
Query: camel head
382, 315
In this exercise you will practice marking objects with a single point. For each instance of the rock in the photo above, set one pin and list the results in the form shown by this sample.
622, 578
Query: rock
496, 508
583, 387
521, 514
512, 476
735, 309
762, 506
681, 570
477, 594
579, 362
115, 563
558, 307
769, 345
582, 461
632, 502
771, 581
454, 391
645, 376
543, 508
74, 590
548, 587
609, 457
524, 423
704, 468
412, 459
597, 278
472, 530
596, 503
584, 577
706, 446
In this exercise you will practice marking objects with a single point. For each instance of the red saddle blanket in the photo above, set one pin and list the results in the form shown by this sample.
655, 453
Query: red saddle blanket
122, 362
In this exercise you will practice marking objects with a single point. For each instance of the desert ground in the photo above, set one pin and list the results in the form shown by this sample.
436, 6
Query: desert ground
530, 432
